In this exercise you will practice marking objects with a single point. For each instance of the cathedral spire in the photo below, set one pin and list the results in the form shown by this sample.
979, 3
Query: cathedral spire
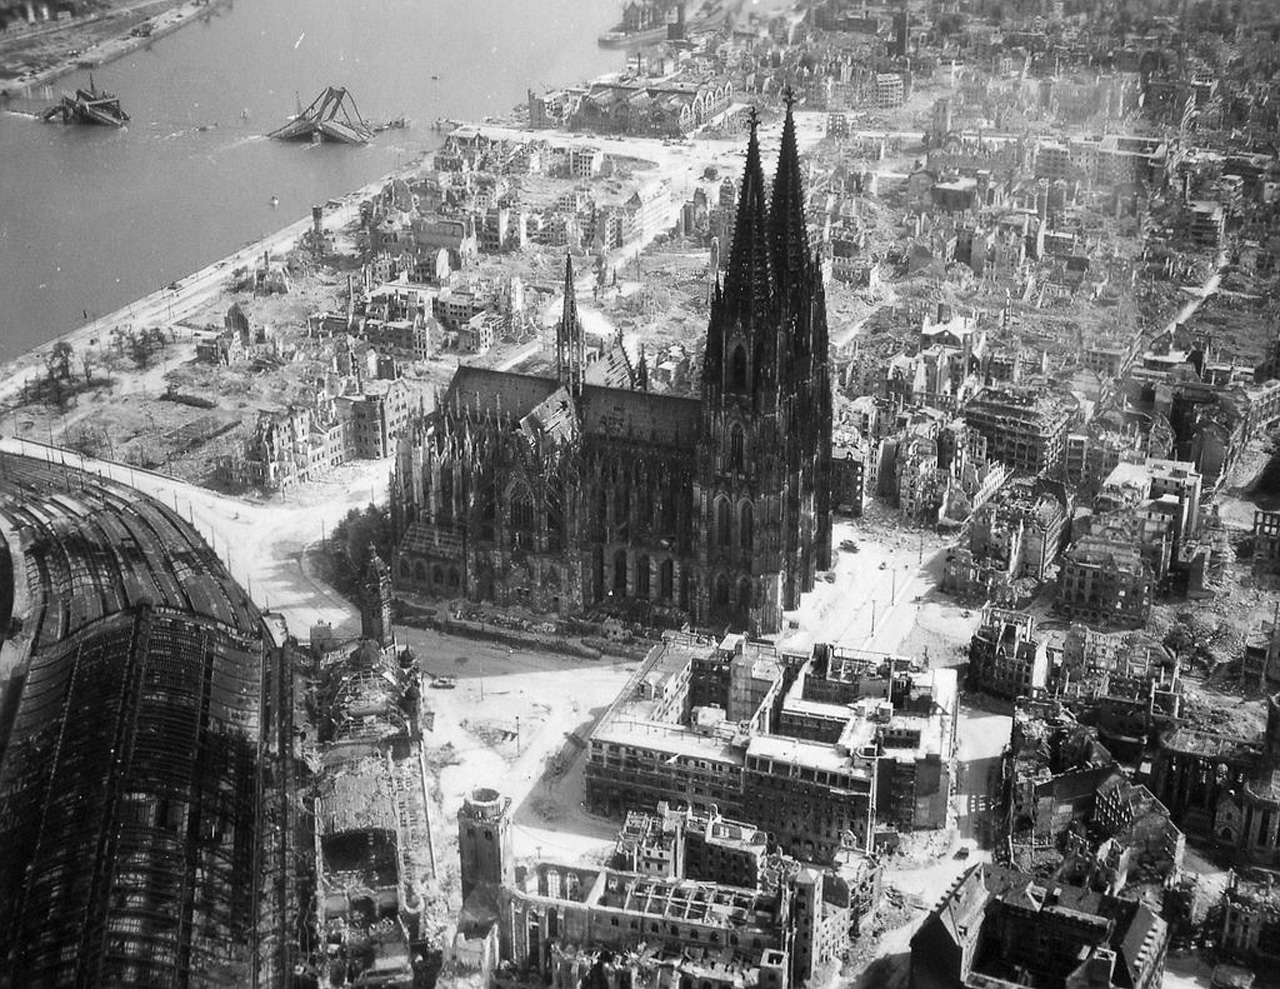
570, 347
642, 371
788, 236
748, 284
714, 353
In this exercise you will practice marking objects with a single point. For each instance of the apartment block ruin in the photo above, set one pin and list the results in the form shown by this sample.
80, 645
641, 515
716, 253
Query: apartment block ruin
809, 746
1251, 918
1106, 579
1024, 428
1006, 658
1013, 540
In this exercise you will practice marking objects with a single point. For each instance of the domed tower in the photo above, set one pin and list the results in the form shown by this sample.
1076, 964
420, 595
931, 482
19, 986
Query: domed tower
484, 839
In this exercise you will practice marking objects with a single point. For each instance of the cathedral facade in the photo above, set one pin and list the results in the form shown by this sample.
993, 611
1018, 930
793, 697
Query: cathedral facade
562, 495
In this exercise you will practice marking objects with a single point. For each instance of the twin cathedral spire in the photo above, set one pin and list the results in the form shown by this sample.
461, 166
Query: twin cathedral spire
771, 281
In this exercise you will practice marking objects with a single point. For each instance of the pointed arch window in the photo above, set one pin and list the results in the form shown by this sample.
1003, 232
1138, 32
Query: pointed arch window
723, 591
723, 525
446, 492
522, 520
746, 523
620, 573
738, 369
555, 515
737, 447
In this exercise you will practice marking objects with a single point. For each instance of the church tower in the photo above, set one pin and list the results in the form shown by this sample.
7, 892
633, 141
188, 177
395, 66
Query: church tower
571, 351
763, 485
375, 602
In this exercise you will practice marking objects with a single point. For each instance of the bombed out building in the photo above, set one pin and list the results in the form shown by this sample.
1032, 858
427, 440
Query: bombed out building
690, 900
549, 492
821, 749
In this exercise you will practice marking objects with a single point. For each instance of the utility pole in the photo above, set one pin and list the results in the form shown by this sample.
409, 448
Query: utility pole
873, 616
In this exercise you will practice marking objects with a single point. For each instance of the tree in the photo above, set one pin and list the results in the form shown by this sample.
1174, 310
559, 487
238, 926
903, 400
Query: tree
58, 363
145, 344
361, 529
87, 360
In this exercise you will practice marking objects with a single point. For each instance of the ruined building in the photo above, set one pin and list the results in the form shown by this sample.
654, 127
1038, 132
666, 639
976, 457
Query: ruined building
690, 900
816, 748
997, 926
552, 493
1225, 786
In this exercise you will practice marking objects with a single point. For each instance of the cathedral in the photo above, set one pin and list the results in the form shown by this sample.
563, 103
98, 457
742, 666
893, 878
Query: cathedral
563, 495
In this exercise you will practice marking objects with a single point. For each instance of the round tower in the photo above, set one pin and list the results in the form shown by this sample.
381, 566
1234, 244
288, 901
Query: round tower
484, 839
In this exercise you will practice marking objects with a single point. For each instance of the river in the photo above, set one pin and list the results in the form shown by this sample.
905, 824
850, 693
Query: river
92, 218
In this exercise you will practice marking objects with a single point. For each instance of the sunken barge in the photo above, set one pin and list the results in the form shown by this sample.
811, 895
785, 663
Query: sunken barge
88, 106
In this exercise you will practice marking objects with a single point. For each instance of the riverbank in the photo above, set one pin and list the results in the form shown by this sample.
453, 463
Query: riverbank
94, 41
184, 298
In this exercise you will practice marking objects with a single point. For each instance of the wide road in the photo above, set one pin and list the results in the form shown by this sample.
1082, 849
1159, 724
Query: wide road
262, 544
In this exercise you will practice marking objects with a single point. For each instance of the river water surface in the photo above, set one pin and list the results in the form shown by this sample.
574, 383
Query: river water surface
92, 218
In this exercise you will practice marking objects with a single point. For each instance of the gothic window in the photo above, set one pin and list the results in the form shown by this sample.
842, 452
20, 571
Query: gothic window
446, 492
738, 371
669, 510
666, 580
737, 447
642, 577
620, 573
602, 506
644, 504
437, 576
555, 516
522, 520
722, 591
744, 595
723, 527
420, 572
454, 580
746, 521
404, 568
